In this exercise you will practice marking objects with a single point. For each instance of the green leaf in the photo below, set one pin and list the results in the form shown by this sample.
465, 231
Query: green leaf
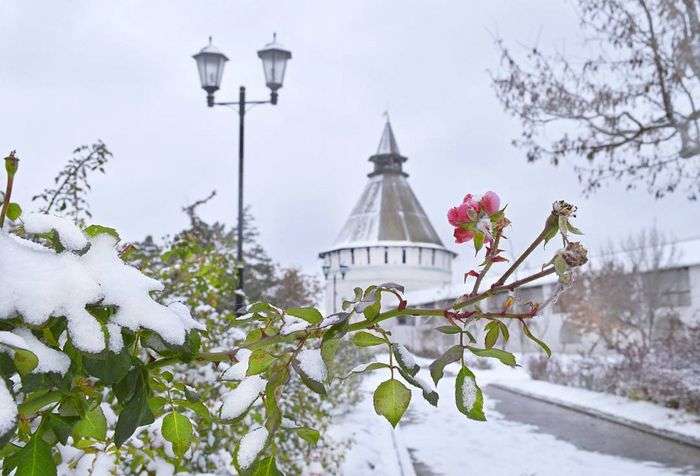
402, 355
309, 314
329, 347
308, 434
198, 407
437, 368
391, 399
177, 429
428, 393
273, 414
528, 333
365, 339
94, 230
25, 361
92, 425
259, 362
573, 229
35, 459
360, 369
492, 334
13, 211
265, 467
468, 396
551, 231
448, 329
505, 357
560, 266
133, 392
478, 240
62, 426
108, 366
313, 384
372, 311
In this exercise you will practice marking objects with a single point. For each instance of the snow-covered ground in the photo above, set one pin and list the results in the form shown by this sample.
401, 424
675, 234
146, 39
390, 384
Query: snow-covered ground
449, 444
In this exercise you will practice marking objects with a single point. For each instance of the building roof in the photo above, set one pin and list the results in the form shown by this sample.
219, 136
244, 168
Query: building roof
387, 211
387, 144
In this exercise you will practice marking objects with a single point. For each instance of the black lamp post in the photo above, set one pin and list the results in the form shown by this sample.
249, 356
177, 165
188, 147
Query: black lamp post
210, 63
342, 269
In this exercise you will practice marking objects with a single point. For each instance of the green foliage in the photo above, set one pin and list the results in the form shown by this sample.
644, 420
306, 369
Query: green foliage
468, 396
34, 459
365, 339
92, 425
391, 399
150, 378
177, 429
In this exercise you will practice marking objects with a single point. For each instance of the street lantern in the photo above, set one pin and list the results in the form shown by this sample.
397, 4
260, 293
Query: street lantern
274, 59
210, 63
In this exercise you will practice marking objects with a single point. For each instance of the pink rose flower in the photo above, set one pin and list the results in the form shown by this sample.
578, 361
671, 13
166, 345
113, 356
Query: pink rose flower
490, 202
461, 235
458, 215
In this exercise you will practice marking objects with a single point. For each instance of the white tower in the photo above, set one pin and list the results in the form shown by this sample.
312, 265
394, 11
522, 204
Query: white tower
387, 238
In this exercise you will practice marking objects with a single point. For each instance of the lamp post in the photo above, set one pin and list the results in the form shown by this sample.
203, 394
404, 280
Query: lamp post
210, 64
340, 271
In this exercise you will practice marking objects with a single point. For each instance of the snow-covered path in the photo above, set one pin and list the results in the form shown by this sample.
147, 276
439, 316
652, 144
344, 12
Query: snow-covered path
446, 443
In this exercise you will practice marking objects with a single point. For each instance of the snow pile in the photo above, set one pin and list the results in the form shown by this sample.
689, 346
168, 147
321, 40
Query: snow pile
8, 339
70, 236
293, 324
100, 464
311, 363
8, 410
237, 401
469, 392
250, 446
37, 283
238, 370
50, 360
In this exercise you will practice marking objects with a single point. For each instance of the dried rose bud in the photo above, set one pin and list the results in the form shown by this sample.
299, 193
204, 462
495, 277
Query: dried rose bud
11, 162
575, 254
562, 208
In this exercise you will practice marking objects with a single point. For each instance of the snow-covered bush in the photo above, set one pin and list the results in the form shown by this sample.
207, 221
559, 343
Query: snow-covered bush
101, 376
669, 375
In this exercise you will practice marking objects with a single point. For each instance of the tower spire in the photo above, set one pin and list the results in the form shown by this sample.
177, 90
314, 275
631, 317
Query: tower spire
387, 144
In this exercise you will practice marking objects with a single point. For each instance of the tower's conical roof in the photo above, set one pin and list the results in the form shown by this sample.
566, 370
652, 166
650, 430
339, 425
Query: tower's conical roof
388, 212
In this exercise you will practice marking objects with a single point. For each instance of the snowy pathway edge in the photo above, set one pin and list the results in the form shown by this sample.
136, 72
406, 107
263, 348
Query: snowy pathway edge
664, 433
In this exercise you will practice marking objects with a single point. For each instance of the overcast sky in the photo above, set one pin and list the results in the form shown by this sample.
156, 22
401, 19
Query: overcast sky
73, 72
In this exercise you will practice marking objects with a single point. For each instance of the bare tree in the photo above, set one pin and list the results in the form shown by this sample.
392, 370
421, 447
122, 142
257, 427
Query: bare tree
628, 106
68, 196
628, 300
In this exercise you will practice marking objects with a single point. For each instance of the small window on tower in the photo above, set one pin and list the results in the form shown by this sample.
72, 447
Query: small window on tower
386, 255
420, 256
352, 256
368, 259
403, 255
432, 259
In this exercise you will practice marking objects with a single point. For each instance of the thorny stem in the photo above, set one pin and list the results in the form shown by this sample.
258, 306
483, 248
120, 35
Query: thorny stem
540, 238
489, 261
11, 167
227, 356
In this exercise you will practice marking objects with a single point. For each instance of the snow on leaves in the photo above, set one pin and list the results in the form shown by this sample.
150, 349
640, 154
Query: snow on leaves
468, 395
37, 283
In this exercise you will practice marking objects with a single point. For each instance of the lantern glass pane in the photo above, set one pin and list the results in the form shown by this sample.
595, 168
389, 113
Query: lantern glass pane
274, 65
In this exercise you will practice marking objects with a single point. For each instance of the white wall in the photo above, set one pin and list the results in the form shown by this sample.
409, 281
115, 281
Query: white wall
423, 268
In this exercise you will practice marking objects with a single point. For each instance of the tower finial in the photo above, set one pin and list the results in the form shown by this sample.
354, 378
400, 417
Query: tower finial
386, 114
